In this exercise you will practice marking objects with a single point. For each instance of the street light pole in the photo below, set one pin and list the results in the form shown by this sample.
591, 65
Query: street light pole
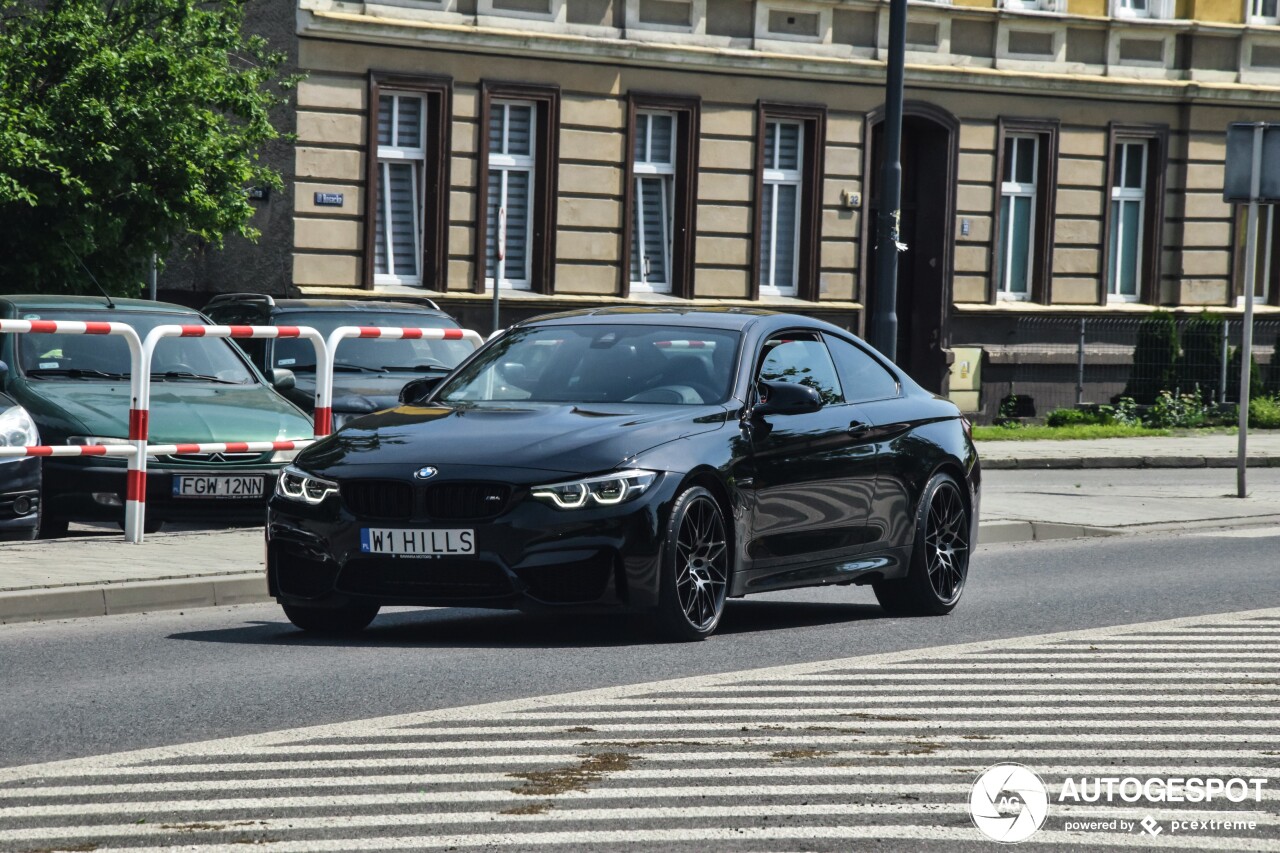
883, 327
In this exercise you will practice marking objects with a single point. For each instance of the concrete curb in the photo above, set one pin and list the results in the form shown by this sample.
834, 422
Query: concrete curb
74, 602
1077, 462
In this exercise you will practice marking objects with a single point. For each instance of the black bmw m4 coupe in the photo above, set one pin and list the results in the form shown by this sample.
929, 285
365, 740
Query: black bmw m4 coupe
650, 460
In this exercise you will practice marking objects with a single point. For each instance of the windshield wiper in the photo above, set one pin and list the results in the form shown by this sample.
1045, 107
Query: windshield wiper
195, 377
417, 368
75, 373
360, 368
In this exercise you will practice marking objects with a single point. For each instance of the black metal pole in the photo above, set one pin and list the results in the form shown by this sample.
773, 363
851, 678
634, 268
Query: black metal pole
884, 314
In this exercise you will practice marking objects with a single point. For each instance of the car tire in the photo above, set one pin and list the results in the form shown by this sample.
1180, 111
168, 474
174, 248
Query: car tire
697, 564
51, 526
939, 554
346, 619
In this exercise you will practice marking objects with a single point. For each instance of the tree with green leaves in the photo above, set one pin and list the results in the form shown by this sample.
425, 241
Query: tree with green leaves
1154, 358
1200, 365
127, 127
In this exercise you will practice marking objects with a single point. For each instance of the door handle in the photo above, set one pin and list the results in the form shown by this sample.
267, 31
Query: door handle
858, 428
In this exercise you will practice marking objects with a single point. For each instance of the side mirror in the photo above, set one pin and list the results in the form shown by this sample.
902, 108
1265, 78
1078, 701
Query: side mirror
786, 398
281, 378
419, 388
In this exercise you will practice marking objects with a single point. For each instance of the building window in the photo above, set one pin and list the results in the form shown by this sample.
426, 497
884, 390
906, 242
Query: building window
652, 221
510, 196
780, 207
659, 194
1266, 285
1018, 215
1022, 251
516, 227
1128, 215
406, 241
397, 257
1264, 11
790, 143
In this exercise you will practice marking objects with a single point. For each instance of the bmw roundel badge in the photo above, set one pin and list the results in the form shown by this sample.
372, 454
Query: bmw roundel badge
424, 473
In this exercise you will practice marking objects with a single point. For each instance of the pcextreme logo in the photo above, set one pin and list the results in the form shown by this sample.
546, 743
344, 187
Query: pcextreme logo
1008, 803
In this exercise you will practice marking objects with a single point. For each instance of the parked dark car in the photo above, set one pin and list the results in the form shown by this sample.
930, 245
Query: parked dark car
368, 375
658, 460
76, 388
19, 476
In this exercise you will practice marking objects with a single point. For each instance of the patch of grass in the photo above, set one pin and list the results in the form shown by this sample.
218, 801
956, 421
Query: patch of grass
1074, 432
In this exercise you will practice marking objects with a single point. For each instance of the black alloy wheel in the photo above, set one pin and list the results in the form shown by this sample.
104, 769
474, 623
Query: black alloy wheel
939, 556
345, 619
696, 565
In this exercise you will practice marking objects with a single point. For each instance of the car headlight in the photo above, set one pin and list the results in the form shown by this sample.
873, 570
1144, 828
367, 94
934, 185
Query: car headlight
605, 490
299, 486
17, 429
83, 440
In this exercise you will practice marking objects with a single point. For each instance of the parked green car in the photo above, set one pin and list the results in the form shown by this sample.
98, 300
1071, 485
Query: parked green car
76, 388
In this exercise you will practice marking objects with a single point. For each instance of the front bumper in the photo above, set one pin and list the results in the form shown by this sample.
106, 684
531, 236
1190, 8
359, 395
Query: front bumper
530, 557
80, 490
19, 497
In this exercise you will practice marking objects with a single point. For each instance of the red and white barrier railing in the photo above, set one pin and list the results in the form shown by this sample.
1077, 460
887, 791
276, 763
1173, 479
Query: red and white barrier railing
141, 354
324, 381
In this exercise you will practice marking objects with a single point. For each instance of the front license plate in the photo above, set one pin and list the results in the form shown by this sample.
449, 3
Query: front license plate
199, 486
417, 543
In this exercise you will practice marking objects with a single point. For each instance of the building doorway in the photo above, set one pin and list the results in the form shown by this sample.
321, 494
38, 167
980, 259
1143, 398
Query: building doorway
930, 142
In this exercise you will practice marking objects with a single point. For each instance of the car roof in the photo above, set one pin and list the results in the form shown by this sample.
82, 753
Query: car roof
59, 302
285, 305
734, 318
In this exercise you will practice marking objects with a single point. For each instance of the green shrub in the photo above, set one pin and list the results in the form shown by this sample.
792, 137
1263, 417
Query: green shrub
1273, 370
1264, 413
1154, 358
1172, 411
1125, 412
1256, 386
1200, 365
1079, 417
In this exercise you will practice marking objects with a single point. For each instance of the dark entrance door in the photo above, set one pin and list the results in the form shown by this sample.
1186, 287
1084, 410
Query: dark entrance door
924, 269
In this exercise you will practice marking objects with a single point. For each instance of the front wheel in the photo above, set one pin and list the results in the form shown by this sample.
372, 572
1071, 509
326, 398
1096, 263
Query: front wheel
696, 564
345, 619
939, 555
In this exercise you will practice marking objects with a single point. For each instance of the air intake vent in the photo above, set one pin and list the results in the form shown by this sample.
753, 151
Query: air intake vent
378, 499
466, 500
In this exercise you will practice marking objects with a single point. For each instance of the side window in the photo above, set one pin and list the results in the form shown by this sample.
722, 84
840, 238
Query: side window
801, 357
864, 377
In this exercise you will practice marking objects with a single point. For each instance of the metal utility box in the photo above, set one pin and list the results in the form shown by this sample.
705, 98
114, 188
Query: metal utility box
966, 378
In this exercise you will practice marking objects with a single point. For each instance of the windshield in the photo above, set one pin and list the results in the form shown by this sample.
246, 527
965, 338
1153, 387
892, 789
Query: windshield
602, 364
107, 356
406, 355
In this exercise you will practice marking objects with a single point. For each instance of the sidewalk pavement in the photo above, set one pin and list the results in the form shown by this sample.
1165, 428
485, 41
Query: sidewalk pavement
1192, 451
101, 574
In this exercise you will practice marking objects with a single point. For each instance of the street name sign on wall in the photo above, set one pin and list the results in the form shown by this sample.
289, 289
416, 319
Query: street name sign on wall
1239, 173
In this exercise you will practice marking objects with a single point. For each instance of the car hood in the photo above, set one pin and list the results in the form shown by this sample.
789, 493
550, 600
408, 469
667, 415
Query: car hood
180, 411
356, 393
564, 438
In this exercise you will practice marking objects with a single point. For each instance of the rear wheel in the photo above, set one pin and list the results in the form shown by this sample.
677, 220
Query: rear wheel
346, 619
939, 556
696, 565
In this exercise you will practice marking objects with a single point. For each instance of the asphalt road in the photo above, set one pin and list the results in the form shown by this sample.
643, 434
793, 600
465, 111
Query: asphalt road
101, 685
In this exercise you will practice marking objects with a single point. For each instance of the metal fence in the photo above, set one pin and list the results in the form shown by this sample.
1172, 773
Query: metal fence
1045, 363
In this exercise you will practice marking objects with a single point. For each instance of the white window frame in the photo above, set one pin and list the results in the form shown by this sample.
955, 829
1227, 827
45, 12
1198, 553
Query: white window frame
1256, 16
647, 169
506, 163
1013, 189
417, 157
1124, 194
772, 178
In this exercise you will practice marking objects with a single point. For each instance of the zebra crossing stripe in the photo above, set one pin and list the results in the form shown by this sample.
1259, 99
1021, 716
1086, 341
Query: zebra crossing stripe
818, 755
